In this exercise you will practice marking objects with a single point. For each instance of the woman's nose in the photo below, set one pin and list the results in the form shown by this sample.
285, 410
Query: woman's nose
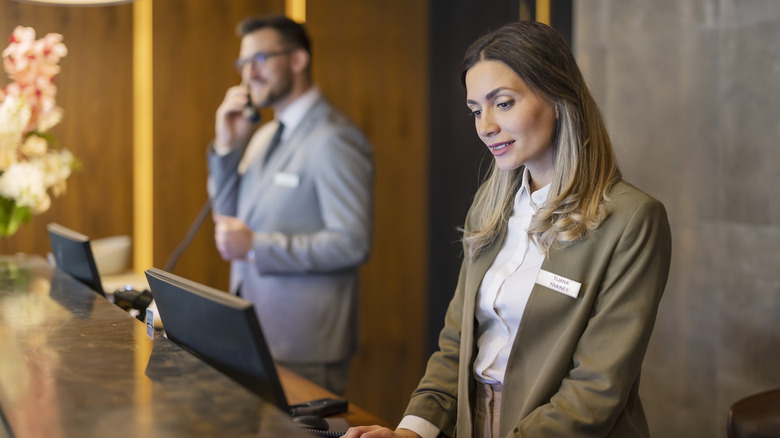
487, 126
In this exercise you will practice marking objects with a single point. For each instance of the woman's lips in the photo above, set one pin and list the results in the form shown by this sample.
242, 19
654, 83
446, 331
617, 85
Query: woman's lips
499, 148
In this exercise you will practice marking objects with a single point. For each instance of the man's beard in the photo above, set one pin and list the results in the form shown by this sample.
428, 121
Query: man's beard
275, 95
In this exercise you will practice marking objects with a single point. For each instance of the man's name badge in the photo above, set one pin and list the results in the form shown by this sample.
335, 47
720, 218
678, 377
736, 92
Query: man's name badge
286, 179
558, 283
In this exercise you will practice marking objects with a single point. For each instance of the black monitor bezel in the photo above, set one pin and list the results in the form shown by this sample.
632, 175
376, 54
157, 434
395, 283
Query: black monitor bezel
69, 246
168, 288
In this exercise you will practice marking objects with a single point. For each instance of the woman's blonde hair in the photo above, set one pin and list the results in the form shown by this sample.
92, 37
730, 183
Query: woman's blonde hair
585, 167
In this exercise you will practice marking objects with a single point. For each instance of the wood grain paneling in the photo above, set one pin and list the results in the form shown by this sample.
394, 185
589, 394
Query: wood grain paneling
370, 67
371, 60
195, 45
373, 70
94, 89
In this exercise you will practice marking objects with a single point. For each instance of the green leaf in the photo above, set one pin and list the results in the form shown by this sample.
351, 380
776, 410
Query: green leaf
12, 216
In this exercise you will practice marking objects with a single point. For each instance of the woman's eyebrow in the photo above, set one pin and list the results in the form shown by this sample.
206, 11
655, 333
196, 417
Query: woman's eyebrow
488, 96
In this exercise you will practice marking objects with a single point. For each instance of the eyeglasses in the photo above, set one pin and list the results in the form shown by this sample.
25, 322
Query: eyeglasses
258, 59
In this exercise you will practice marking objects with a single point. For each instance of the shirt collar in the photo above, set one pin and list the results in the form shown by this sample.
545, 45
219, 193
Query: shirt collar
538, 197
294, 113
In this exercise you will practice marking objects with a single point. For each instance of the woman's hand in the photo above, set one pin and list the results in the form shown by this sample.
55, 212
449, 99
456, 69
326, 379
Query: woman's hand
378, 432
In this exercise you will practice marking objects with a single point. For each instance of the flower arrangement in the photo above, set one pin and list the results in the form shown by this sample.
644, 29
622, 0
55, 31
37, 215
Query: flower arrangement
32, 165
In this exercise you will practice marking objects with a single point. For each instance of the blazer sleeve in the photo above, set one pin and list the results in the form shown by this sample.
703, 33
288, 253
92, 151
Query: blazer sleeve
607, 358
436, 397
343, 172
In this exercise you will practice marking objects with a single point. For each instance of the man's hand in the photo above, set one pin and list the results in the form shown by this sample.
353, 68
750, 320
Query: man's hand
231, 127
233, 237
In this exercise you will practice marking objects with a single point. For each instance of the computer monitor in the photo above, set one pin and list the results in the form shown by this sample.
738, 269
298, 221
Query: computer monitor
219, 328
73, 254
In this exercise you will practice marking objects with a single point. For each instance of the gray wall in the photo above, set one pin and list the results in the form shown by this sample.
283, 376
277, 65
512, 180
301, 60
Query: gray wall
691, 93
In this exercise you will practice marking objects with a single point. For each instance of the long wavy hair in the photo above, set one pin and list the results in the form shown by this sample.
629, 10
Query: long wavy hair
585, 167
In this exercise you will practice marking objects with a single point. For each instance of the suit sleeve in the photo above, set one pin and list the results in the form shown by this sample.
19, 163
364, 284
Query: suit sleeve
343, 174
608, 356
222, 184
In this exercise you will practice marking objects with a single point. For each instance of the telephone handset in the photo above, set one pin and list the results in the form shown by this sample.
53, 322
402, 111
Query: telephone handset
250, 112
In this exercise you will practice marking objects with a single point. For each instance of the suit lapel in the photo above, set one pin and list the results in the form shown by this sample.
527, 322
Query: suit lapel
260, 178
297, 139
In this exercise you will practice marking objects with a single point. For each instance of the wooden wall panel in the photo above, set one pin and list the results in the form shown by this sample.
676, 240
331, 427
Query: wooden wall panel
372, 68
195, 45
376, 72
371, 60
94, 89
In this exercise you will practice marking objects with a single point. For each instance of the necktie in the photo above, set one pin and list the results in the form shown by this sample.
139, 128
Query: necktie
275, 140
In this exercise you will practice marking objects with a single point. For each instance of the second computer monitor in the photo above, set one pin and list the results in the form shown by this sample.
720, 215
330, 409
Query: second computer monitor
73, 254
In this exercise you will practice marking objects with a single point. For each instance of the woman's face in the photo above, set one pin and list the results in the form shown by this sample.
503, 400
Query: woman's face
516, 125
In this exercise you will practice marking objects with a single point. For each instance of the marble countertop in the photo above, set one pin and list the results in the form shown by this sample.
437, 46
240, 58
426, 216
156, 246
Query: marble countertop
74, 364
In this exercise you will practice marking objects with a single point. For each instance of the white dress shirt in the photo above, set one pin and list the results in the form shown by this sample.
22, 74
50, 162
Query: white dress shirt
502, 296
291, 117
507, 284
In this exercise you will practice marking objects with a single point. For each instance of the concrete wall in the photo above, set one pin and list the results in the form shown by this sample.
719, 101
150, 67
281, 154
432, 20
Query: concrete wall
691, 93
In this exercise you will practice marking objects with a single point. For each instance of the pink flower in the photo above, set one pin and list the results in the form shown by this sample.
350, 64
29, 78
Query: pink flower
32, 65
31, 165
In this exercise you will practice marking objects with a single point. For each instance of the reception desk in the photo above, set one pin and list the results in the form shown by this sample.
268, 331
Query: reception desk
72, 364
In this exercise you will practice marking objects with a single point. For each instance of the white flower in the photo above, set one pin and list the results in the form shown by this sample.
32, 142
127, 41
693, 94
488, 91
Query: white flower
14, 117
55, 167
43, 204
49, 118
23, 182
29, 169
7, 158
34, 146
14, 113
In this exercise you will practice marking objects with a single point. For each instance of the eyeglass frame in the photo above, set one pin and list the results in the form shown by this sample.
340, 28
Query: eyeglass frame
259, 58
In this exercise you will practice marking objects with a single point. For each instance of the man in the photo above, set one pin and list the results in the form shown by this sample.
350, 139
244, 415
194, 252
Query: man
294, 218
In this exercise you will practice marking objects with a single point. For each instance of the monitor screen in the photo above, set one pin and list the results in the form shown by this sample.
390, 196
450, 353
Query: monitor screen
221, 329
73, 254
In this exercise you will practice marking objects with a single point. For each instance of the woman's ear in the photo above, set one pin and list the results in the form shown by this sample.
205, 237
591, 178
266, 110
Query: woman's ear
300, 60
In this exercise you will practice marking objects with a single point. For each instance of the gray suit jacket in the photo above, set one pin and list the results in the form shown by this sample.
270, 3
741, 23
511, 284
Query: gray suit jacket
574, 366
311, 209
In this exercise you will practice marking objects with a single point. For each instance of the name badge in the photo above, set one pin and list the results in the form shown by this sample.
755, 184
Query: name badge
286, 179
558, 283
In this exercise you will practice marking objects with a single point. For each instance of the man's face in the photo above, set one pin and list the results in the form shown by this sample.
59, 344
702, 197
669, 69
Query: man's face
270, 80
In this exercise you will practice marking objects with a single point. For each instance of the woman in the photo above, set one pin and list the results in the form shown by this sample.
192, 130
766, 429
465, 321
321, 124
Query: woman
565, 263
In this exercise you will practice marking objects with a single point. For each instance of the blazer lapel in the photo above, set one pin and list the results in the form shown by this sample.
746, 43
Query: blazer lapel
262, 175
478, 270
468, 345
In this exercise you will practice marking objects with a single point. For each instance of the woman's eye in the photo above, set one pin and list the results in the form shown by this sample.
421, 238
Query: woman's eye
475, 113
505, 105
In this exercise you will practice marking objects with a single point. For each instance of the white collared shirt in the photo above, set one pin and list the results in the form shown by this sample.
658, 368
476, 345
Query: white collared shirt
294, 113
502, 297
507, 284
291, 117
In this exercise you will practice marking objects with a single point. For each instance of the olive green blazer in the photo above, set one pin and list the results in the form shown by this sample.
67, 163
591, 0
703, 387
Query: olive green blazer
574, 366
